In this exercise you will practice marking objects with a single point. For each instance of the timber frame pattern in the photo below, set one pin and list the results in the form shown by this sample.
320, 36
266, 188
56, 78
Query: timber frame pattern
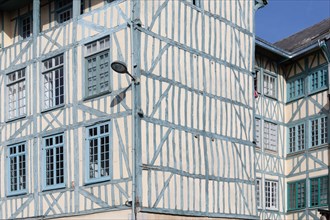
185, 149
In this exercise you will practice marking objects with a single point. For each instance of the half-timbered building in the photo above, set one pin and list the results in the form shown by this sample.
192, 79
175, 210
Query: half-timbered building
198, 126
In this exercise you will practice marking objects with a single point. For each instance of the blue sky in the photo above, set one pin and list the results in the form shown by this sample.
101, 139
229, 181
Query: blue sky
282, 18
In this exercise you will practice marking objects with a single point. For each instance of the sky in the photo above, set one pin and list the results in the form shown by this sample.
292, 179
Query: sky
282, 18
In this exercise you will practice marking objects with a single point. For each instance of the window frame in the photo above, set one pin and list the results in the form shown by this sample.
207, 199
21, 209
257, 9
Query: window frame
295, 183
97, 52
258, 140
296, 86
88, 179
17, 155
270, 75
319, 87
319, 129
21, 27
44, 161
62, 9
267, 147
318, 191
259, 191
16, 83
296, 138
51, 71
271, 193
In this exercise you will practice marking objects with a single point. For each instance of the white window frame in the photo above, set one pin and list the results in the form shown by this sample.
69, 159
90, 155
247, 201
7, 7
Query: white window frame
321, 130
296, 138
89, 166
97, 83
269, 88
258, 133
273, 192
268, 138
54, 143
16, 101
16, 151
53, 82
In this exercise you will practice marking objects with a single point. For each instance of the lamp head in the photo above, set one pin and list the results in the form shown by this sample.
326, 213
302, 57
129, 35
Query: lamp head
119, 67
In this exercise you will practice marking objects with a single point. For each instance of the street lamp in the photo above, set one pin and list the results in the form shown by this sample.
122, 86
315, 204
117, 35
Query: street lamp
121, 67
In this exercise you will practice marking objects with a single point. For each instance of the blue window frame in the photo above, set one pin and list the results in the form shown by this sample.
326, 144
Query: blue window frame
63, 10
319, 191
26, 26
318, 79
295, 88
99, 153
54, 162
297, 195
319, 131
17, 169
296, 138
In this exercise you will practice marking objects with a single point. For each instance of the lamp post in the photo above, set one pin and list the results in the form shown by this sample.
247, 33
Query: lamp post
121, 67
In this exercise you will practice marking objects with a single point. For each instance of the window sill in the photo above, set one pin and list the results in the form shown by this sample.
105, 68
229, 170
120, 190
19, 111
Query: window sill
53, 108
271, 151
292, 154
322, 89
15, 119
270, 97
295, 210
58, 187
272, 209
19, 194
96, 96
289, 101
96, 182
315, 148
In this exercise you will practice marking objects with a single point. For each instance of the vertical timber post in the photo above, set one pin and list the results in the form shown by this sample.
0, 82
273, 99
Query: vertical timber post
76, 12
136, 106
35, 72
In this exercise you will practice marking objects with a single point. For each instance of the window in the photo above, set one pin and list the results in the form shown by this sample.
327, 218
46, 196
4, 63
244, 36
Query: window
258, 125
270, 194
258, 193
99, 153
195, 2
319, 191
318, 79
26, 26
297, 138
270, 136
319, 131
97, 67
54, 161
17, 169
53, 82
296, 88
16, 94
270, 85
296, 195
63, 10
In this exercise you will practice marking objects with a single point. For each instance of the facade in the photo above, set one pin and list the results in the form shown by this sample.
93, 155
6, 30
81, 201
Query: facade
209, 127
292, 120
79, 140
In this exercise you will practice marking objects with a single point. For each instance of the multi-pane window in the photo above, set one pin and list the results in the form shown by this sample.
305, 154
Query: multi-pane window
99, 152
270, 136
53, 83
258, 193
318, 79
319, 191
271, 194
97, 63
26, 26
270, 85
319, 131
296, 88
296, 195
63, 10
54, 161
17, 169
297, 138
258, 127
16, 94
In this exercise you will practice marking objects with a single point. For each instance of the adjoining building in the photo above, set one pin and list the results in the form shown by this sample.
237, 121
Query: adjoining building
206, 121
292, 120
